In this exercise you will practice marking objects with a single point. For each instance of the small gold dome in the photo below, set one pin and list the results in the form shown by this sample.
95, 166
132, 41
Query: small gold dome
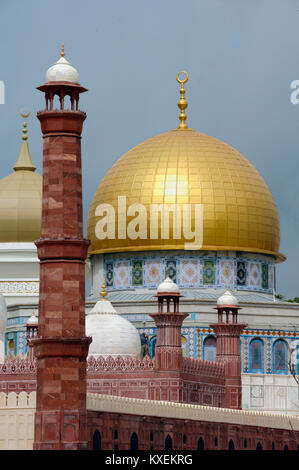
184, 166
21, 199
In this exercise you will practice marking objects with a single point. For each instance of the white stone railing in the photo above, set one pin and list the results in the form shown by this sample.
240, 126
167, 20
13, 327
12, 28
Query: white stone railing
136, 406
17, 420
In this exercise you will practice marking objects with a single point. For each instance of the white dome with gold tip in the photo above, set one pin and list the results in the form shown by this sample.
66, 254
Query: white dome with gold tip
227, 299
112, 335
168, 286
62, 71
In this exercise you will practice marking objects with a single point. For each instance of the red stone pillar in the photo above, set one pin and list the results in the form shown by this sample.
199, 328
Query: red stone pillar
61, 347
228, 332
168, 352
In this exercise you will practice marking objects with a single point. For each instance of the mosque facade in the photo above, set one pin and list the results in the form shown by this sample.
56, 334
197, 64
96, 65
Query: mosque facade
135, 245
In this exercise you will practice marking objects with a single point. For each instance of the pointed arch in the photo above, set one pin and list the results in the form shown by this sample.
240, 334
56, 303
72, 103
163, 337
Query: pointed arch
97, 440
231, 445
168, 442
200, 444
134, 442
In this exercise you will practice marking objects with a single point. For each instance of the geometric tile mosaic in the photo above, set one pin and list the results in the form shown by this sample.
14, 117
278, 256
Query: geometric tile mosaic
171, 269
122, 273
265, 276
153, 272
109, 274
189, 272
241, 273
137, 272
149, 271
226, 272
254, 275
208, 272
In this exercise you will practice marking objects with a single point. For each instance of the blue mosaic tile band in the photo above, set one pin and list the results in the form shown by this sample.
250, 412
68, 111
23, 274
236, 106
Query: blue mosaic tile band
123, 272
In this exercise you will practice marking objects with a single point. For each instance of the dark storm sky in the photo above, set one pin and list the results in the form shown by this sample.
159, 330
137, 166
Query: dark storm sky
241, 56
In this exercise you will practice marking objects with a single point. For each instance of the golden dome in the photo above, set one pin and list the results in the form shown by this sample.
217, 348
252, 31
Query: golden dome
184, 166
21, 199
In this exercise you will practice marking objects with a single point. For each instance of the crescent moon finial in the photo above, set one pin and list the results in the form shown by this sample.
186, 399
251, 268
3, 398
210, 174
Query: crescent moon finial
182, 104
25, 114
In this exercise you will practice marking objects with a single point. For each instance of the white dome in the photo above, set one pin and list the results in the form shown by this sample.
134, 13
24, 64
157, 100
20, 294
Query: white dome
112, 335
62, 71
3, 314
33, 320
227, 299
168, 286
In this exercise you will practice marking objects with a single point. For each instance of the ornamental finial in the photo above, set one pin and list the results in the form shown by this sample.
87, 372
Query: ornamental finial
62, 50
182, 104
25, 116
103, 292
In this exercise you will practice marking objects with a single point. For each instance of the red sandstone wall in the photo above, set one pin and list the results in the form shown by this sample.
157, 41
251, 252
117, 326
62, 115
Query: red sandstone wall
216, 436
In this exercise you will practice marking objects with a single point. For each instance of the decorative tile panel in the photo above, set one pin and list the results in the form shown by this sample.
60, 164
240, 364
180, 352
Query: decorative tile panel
265, 276
109, 274
171, 269
208, 274
189, 273
137, 272
153, 272
255, 275
122, 274
271, 276
19, 287
241, 273
226, 272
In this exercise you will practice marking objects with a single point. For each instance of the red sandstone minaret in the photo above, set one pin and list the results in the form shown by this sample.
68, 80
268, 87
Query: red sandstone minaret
61, 346
168, 353
228, 332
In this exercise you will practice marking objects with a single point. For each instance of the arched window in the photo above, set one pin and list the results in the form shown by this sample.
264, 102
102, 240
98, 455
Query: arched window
216, 441
259, 446
257, 356
97, 441
273, 446
280, 357
134, 442
168, 443
209, 348
200, 444
231, 445
245, 444
115, 434
286, 447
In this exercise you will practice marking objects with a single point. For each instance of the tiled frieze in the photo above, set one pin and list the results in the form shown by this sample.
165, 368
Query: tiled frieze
148, 271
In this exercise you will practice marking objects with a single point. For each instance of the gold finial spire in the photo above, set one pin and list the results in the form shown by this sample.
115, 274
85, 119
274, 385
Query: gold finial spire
182, 104
62, 50
103, 292
24, 161
25, 116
